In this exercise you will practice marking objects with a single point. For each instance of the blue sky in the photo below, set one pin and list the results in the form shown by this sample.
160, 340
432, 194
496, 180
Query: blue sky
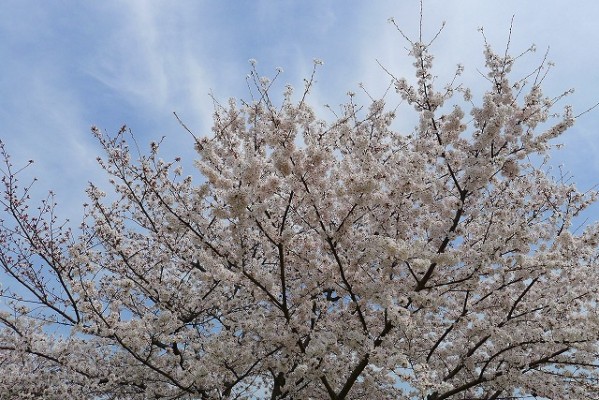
67, 65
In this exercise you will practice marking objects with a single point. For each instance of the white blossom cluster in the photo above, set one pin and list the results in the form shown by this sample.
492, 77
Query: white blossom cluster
325, 260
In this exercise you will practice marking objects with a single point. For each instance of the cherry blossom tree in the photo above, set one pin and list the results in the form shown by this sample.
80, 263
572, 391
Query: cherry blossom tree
316, 259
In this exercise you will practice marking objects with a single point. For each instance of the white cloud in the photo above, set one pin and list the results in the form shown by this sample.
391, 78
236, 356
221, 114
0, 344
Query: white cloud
136, 62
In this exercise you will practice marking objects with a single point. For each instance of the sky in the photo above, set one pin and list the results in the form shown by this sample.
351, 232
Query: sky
68, 65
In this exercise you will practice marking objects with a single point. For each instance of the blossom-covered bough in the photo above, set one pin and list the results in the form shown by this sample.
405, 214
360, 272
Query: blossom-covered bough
316, 259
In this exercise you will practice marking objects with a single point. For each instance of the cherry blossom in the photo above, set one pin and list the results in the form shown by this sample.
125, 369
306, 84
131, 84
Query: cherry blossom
315, 258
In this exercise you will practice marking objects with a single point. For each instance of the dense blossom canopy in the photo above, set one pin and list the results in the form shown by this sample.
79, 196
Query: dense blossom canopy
316, 259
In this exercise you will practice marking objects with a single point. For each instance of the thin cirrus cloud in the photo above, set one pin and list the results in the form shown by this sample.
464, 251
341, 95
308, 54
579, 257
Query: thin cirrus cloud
41, 115
71, 65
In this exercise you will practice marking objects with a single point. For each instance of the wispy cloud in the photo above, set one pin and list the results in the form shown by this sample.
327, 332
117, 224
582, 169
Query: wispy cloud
68, 66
